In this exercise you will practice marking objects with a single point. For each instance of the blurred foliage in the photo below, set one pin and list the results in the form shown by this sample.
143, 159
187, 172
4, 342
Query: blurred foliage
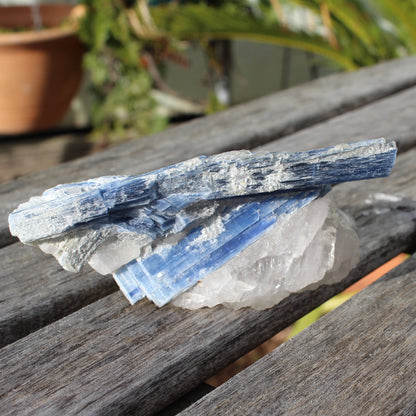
350, 33
318, 313
128, 41
116, 62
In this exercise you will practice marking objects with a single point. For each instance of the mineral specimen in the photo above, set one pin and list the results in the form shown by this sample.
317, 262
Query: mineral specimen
208, 220
315, 244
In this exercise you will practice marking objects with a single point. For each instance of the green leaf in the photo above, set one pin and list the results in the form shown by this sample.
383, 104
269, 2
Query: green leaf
317, 313
402, 15
201, 22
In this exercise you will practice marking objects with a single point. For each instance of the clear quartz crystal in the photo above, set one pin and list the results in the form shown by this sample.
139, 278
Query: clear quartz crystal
237, 228
315, 245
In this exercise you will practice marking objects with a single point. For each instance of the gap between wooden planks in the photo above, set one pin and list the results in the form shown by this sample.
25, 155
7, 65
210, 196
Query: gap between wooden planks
282, 336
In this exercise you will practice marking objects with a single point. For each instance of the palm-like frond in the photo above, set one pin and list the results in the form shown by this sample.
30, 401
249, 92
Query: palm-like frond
201, 22
357, 26
351, 33
402, 16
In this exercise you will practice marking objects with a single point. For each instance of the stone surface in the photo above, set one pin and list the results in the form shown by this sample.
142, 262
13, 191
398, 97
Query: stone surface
162, 232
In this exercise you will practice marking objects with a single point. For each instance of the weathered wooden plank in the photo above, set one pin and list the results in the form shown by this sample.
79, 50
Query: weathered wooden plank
389, 117
27, 154
357, 360
244, 126
36, 291
373, 120
112, 358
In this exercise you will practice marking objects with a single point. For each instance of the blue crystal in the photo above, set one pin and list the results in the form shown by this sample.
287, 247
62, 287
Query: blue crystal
167, 215
176, 268
204, 178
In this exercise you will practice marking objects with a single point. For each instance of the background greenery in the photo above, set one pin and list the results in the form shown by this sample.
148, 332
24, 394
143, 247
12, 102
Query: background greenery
130, 41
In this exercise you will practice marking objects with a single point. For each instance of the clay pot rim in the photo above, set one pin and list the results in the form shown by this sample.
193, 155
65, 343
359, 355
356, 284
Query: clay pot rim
34, 36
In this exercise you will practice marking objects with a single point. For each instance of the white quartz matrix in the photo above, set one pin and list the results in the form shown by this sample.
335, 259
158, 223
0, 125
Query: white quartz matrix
315, 245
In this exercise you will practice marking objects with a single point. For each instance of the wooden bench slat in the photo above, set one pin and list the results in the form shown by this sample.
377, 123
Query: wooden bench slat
244, 126
36, 291
359, 359
42, 304
390, 117
112, 358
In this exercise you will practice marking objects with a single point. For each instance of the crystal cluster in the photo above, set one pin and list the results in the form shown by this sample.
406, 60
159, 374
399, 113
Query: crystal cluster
237, 228
315, 243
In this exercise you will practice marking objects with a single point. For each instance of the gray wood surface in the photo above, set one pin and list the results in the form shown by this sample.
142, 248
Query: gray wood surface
29, 309
36, 291
112, 358
391, 117
244, 126
358, 360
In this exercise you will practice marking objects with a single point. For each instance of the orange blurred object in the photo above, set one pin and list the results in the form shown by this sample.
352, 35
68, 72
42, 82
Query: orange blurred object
248, 359
41, 70
376, 274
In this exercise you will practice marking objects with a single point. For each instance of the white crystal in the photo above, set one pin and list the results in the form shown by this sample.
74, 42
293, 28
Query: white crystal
315, 245
162, 232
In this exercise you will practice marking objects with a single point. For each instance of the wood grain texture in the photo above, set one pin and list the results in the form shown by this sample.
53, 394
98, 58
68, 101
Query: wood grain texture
25, 155
36, 291
373, 120
243, 126
112, 358
391, 117
357, 360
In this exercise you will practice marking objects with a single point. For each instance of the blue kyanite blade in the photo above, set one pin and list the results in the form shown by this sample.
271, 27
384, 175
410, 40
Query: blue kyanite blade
173, 188
163, 231
173, 269
126, 279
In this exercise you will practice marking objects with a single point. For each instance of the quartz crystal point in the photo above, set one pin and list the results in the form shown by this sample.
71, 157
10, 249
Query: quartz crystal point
161, 233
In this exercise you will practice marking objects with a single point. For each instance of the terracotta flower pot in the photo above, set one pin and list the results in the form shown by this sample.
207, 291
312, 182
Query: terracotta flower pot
40, 70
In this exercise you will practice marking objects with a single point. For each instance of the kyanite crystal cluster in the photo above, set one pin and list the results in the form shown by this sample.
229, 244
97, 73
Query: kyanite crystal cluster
314, 244
238, 228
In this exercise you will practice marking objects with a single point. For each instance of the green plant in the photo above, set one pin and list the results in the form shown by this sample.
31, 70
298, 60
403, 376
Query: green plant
123, 105
350, 33
128, 42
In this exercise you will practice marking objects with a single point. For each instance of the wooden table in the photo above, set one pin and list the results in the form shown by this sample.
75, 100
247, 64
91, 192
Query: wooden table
72, 345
